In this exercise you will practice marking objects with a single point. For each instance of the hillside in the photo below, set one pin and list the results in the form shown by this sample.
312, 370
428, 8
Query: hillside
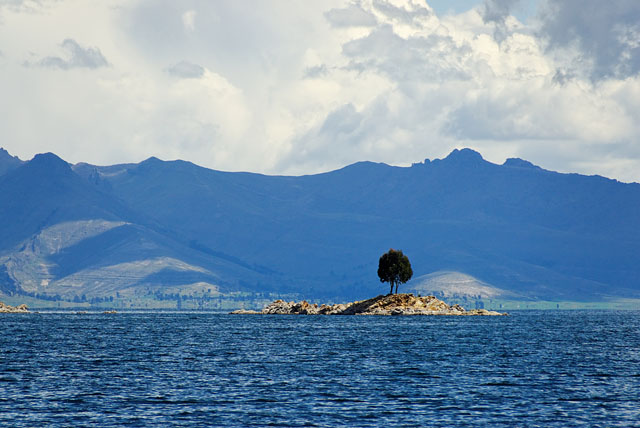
66, 239
517, 228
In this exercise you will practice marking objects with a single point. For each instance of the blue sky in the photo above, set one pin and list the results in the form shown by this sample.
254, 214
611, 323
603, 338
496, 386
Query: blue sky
289, 87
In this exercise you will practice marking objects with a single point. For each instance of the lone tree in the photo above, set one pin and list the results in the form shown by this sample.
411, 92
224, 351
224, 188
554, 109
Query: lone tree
394, 268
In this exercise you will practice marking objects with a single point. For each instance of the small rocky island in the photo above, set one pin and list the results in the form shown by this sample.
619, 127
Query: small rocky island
391, 304
13, 309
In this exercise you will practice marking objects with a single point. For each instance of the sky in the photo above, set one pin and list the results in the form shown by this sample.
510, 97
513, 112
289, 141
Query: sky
301, 87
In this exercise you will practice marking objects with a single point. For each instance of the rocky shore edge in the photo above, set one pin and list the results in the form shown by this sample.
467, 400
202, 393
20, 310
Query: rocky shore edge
13, 309
392, 304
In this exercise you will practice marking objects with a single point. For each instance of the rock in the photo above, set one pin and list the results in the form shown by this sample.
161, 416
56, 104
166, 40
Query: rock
458, 308
292, 308
482, 312
392, 304
279, 307
110, 312
11, 309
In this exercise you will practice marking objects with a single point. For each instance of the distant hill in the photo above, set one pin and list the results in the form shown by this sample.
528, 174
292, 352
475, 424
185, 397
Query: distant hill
67, 238
517, 228
456, 285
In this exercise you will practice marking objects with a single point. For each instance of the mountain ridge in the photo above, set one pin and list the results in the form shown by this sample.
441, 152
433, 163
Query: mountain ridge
516, 227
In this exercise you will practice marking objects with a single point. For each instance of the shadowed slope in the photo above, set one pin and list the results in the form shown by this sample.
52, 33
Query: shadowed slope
515, 226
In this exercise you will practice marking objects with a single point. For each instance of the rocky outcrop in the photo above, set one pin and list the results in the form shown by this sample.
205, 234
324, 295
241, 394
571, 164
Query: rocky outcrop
393, 304
13, 309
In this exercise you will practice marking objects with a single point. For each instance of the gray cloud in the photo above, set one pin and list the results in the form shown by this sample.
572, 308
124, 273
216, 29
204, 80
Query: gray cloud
78, 57
434, 57
351, 16
24, 5
186, 70
418, 57
342, 135
316, 71
563, 77
496, 12
607, 34
401, 14
343, 120
491, 119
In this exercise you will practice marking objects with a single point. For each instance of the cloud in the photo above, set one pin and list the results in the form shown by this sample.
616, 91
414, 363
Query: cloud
186, 70
430, 58
351, 16
302, 87
189, 20
600, 39
410, 13
315, 71
498, 12
77, 57
477, 79
513, 112
343, 120
27, 6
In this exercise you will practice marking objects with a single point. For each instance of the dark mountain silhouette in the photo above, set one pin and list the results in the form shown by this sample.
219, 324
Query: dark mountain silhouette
519, 228
45, 191
8, 162
65, 235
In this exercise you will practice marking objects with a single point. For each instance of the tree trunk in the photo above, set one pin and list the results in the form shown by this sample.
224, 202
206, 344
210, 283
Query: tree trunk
397, 287
391, 291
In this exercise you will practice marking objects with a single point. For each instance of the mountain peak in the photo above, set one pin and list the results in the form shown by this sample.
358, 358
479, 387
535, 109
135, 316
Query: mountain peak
47, 164
519, 163
464, 157
465, 153
152, 159
151, 163
8, 162
6, 156
48, 160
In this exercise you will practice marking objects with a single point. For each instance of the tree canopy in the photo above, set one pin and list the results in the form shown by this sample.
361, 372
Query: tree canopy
394, 267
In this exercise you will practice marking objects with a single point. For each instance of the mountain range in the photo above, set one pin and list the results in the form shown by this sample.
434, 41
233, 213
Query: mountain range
171, 230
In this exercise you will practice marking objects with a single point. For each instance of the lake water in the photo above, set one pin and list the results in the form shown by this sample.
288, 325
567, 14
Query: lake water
550, 369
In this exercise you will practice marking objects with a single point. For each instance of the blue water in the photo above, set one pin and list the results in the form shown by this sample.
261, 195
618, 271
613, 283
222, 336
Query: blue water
550, 369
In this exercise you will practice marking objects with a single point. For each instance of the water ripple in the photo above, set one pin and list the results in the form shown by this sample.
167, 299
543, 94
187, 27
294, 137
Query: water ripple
552, 369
